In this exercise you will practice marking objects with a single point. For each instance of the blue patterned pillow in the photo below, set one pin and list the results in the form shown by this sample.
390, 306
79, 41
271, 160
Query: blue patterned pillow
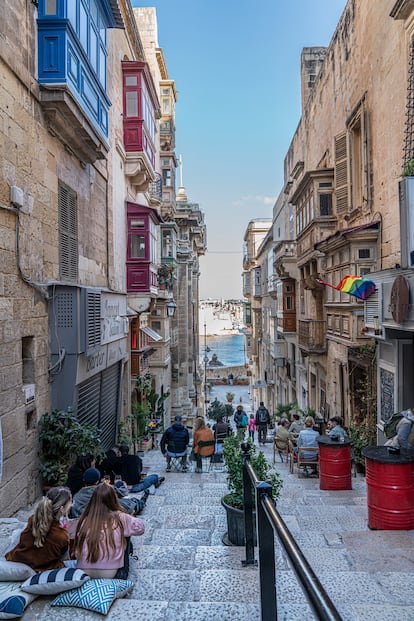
55, 581
96, 594
12, 600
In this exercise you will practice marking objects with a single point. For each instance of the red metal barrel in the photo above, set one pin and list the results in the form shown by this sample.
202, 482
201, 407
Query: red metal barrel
334, 464
390, 488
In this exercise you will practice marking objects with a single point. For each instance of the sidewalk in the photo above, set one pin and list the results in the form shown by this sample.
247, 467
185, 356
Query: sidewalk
184, 571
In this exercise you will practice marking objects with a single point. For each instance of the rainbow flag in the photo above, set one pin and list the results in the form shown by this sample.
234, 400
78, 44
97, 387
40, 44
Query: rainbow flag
357, 286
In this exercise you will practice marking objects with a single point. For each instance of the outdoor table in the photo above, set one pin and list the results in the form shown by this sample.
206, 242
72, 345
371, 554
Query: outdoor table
390, 488
334, 464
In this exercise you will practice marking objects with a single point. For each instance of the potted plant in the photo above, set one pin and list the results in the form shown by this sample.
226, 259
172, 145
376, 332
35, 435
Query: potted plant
230, 396
62, 437
233, 501
166, 276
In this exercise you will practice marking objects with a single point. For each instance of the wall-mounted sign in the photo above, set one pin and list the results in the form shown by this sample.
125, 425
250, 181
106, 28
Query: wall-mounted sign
399, 305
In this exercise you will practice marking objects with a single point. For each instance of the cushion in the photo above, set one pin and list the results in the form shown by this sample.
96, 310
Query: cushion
13, 600
96, 594
9, 570
55, 581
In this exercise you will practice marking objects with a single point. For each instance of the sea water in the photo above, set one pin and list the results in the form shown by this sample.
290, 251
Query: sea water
230, 350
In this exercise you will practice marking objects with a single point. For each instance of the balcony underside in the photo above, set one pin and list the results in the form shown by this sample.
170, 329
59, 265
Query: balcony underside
66, 120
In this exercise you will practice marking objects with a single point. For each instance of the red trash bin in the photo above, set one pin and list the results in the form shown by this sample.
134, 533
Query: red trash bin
390, 488
334, 464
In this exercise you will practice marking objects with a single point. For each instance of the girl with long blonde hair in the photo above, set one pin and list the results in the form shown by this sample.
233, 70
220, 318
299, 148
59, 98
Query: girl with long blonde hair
44, 542
102, 534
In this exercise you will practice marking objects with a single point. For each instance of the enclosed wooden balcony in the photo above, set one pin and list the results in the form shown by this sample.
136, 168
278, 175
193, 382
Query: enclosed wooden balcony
312, 335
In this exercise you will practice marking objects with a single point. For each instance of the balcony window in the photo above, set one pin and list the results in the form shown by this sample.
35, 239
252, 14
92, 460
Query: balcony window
140, 106
142, 248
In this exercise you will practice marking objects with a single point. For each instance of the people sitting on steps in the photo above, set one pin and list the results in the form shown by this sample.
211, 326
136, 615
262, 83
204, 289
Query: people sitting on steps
201, 433
75, 473
102, 539
175, 441
111, 464
92, 477
131, 472
44, 542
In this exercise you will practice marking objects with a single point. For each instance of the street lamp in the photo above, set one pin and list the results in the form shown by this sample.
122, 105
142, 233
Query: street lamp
171, 308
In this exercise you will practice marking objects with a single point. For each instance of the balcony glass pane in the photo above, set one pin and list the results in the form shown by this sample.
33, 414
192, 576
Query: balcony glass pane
137, 246
131, 80
93, 54
72, 13
83, 27
50, 8
131, 103
102, 67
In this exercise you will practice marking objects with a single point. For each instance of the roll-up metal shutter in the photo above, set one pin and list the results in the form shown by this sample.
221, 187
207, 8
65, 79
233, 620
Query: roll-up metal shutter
109, 405
89, 398
98, 399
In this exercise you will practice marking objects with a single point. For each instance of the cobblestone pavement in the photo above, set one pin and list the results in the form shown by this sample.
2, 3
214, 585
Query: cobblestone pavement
184, 572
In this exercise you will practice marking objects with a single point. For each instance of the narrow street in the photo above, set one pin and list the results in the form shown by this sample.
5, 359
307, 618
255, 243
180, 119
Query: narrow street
183, 570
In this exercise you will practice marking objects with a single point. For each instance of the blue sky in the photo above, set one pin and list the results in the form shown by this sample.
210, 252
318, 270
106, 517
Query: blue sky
236, 66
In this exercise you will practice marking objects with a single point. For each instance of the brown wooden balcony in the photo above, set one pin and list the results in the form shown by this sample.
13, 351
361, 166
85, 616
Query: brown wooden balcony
312, 335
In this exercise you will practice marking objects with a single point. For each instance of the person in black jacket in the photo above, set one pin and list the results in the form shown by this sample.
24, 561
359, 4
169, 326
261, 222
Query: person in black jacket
175, 440
111, 464
262, 421
131, 468
75, 473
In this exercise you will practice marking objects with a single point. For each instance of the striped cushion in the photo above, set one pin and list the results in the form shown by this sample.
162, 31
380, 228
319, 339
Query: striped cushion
96, 595
55, 581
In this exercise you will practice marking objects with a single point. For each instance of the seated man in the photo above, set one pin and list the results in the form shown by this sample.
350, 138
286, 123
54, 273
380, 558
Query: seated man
175, 441
131, 468
221, 429
91, 478
308, 438
335, 429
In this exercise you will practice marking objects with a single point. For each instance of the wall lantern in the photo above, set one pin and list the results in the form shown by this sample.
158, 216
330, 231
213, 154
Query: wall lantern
171, 308
377, 329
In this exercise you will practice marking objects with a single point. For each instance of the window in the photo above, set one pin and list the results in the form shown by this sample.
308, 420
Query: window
325, 204
68, 233
166, 177
364, 253
137, 249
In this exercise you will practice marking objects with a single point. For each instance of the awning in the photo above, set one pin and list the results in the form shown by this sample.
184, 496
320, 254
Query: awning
151, 333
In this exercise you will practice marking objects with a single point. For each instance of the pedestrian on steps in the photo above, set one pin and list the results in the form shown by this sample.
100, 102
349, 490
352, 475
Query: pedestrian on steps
262, 421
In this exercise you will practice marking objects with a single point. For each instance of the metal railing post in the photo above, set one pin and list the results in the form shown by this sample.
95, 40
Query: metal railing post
267, 561
248, 507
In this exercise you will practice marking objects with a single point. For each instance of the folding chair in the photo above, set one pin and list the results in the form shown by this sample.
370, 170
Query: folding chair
177, 463
208, 460
304, 463
291, 455
280, 451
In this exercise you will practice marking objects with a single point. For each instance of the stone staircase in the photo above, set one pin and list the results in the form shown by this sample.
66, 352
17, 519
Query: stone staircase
183, 572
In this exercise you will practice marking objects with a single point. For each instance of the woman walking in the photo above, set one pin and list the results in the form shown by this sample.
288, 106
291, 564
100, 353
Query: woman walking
251, 426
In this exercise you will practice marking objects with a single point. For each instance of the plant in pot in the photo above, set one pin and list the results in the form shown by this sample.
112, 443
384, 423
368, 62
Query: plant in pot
216, 410
233, 501
230, 396
62, 437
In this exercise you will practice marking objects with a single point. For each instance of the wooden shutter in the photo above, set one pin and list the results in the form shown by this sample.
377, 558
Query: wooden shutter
341, 173
68, 233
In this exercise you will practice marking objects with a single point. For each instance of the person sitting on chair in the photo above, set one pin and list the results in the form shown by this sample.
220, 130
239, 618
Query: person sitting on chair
174, 442
296, 425
202, 434
221, 429
308, 438
282, 436
335, 429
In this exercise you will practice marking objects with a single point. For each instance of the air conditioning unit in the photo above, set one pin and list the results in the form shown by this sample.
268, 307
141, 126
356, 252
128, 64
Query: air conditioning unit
29, 391
74, 320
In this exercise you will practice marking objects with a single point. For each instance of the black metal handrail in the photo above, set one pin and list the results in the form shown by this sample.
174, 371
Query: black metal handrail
268, 522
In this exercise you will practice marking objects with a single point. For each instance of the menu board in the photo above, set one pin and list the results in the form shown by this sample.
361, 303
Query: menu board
386, 394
